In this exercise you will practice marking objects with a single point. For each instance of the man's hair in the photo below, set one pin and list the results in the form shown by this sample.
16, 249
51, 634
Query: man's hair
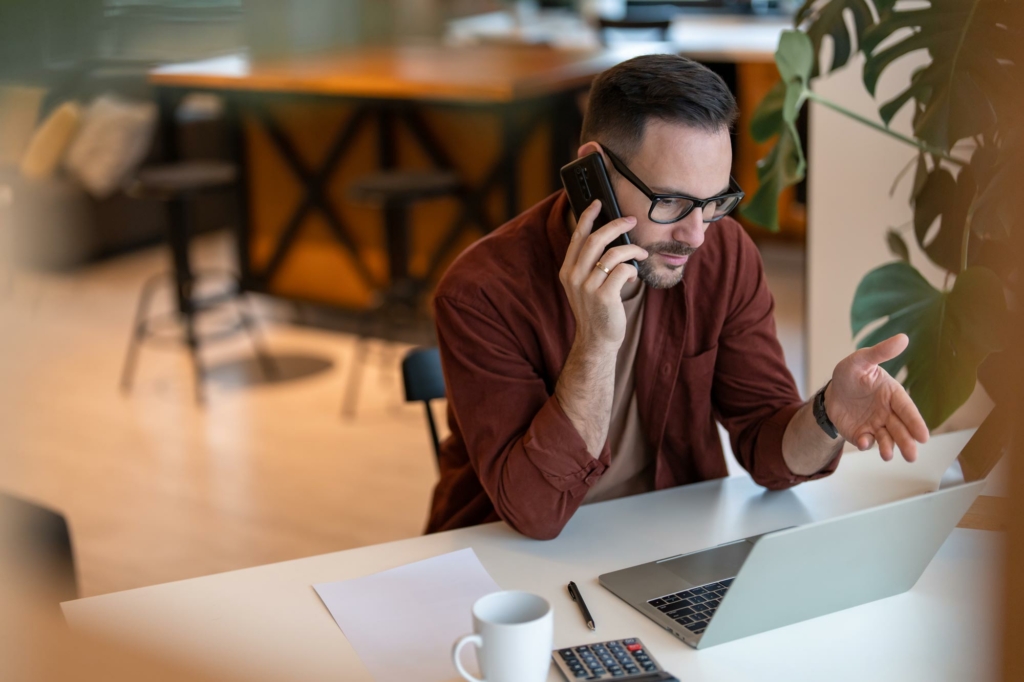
666, 87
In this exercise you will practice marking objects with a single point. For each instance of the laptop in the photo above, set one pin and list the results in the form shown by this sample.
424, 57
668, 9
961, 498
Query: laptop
786, 576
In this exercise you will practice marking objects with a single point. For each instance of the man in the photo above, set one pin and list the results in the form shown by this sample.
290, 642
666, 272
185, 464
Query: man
573, 376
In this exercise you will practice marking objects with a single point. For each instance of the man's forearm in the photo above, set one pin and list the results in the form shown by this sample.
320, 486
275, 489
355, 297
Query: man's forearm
584, 392
806, 448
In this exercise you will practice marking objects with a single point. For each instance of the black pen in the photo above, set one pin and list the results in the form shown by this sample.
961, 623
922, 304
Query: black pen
574, 592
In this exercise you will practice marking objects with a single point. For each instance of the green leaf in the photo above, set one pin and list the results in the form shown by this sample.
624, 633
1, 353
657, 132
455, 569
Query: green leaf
944, 199
972, 45
897, 246
795, 59
785, 164
820, 18
950, 333
767, 120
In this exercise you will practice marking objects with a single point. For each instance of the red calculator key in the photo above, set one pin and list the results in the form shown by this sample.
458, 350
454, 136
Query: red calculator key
634, 647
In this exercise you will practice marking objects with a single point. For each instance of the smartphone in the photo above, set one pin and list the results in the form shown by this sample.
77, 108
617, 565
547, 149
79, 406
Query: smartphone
585, 180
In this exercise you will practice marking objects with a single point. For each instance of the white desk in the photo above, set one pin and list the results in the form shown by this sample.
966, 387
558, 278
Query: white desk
267, 622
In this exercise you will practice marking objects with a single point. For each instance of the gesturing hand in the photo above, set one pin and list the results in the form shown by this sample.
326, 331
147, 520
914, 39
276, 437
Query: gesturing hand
867, 405
595, 294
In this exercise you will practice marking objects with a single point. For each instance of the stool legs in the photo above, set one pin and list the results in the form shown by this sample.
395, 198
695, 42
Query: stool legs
138, 333
266, 363
192, 341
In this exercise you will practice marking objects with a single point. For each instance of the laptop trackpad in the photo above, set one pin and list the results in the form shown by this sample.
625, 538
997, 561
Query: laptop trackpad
709, 565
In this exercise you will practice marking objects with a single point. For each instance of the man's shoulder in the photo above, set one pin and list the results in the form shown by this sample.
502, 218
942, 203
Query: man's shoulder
507, 262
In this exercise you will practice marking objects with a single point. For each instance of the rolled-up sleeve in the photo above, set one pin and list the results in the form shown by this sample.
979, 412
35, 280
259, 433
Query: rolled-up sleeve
530, 460
754, 394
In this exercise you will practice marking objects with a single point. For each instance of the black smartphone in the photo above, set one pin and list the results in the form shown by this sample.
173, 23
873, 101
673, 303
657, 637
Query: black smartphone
585, 180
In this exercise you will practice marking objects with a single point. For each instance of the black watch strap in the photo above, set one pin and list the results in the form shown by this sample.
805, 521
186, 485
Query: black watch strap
821, 416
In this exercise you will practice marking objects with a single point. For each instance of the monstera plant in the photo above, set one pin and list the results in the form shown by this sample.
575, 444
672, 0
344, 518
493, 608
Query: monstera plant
967, 194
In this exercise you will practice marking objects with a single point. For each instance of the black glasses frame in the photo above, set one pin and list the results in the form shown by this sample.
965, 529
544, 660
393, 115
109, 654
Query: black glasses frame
656, 198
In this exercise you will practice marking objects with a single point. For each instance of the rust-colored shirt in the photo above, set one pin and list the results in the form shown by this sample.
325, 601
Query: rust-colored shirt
708, 350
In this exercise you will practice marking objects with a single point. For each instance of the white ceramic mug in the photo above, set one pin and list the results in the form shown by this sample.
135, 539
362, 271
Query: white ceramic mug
514, 633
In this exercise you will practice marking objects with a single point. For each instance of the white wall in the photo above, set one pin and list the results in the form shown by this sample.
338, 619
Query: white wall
851, 170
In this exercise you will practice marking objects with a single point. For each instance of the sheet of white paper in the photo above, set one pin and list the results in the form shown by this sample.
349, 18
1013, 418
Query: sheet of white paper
402, 622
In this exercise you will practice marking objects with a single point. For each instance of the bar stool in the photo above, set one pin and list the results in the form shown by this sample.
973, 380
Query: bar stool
177, 185
400, 305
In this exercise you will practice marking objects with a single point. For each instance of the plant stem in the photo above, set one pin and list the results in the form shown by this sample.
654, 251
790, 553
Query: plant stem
923, 146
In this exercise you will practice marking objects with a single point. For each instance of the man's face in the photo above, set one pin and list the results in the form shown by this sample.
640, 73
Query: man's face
673, 159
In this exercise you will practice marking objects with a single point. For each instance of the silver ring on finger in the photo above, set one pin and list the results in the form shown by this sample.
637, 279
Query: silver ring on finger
603, 267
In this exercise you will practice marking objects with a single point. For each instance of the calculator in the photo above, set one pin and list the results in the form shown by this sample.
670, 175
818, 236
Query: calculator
619, 659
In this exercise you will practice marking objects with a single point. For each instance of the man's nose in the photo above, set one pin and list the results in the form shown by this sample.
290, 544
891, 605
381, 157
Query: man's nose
690, 230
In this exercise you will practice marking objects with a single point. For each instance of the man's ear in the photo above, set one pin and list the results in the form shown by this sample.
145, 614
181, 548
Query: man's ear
588, 148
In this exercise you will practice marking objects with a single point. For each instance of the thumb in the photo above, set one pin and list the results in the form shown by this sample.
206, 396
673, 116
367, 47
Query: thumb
886, 350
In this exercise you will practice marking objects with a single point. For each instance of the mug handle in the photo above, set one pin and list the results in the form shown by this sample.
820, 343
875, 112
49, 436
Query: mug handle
457, 649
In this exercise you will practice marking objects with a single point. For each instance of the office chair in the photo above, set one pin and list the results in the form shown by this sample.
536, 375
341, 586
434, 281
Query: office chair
35, 541
423, 380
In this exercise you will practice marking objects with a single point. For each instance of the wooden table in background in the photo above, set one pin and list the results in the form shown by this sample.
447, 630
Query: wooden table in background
505, 118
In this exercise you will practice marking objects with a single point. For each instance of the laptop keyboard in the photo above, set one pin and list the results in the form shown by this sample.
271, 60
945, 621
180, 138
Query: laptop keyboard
693, 608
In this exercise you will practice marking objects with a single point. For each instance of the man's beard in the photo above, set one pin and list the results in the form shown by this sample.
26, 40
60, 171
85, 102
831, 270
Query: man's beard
658, 278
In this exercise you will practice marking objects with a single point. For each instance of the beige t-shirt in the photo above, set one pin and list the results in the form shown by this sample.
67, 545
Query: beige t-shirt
632, 467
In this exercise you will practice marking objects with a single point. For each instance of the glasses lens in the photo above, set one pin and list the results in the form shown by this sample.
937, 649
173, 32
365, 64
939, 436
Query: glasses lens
670, 209
719, 208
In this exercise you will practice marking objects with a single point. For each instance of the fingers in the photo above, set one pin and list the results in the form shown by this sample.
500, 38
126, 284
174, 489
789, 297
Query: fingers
904, 441
884, 443
596, 243
865, 441
621, 254
886, 350
583, 228
611, 288
906, 411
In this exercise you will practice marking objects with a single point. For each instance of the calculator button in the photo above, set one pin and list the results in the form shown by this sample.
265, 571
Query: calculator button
629, 641
632, 669
656, 602
581, 649
566, 654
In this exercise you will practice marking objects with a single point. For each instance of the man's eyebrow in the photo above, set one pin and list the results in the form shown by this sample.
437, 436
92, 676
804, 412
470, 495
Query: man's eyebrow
668, 190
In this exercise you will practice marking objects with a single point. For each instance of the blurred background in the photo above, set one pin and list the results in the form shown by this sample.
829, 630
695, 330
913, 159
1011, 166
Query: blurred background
221, 222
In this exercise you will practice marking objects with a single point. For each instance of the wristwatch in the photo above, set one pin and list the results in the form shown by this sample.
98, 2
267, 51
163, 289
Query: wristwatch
821, 416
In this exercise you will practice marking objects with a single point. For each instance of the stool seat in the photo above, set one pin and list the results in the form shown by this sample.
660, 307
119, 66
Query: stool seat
169, 180
405, 186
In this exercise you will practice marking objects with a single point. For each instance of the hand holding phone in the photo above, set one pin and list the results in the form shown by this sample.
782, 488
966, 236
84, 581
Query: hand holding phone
586, 180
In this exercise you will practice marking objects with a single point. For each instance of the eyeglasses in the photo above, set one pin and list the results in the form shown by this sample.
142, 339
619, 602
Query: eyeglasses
671, 208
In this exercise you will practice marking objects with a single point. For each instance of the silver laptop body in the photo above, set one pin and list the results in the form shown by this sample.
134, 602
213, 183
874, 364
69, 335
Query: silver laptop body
790, 575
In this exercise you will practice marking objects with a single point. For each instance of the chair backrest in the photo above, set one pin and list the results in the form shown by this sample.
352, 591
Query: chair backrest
424, 381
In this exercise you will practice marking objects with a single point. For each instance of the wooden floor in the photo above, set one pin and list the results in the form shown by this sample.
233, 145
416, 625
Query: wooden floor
158, 489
